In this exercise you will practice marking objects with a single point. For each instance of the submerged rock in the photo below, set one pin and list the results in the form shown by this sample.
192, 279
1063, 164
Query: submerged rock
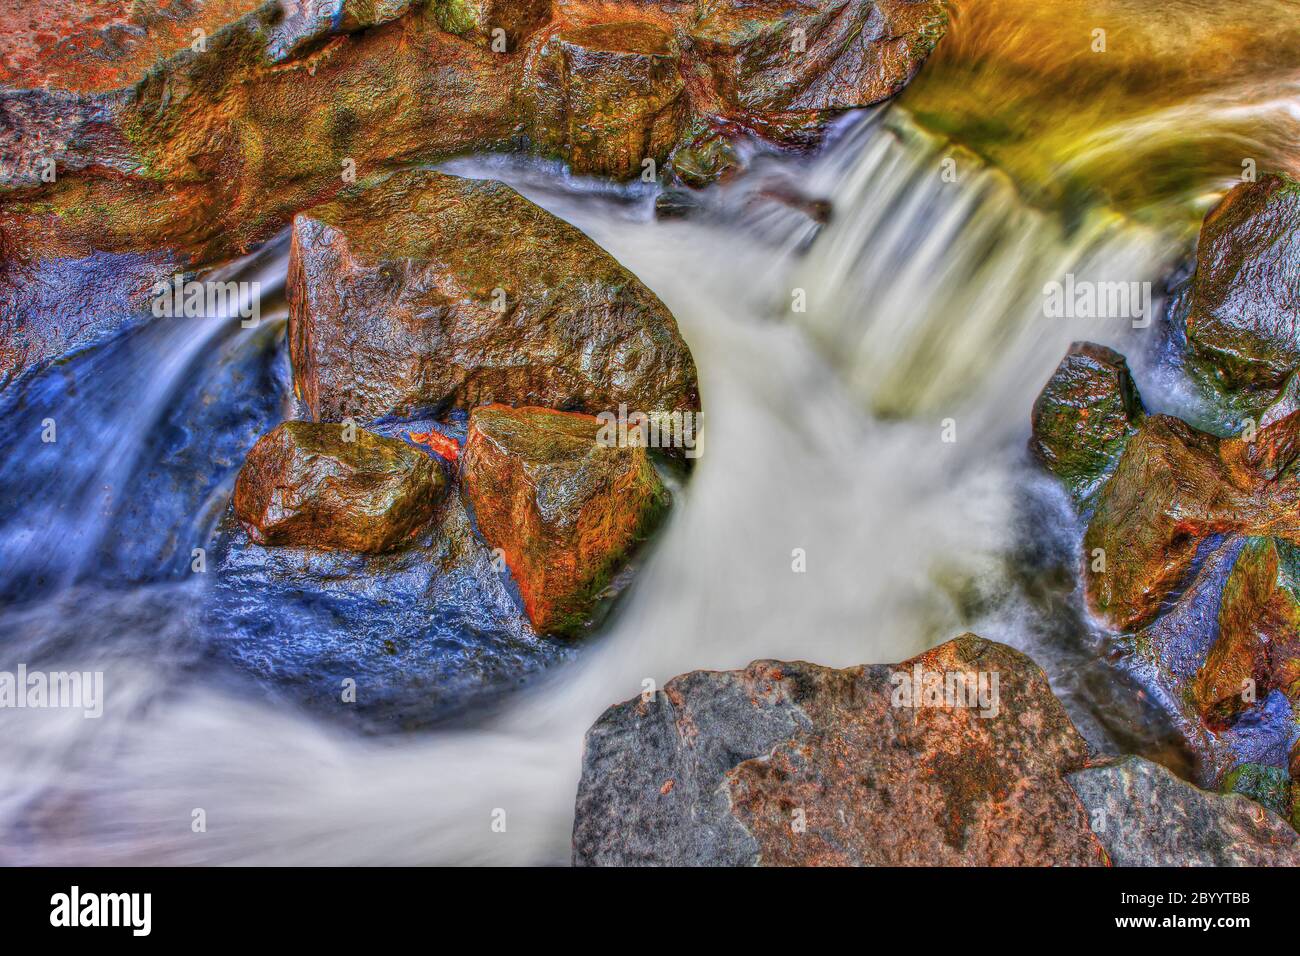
1084, 416
1145, 816
427, 290
1244, 314
788, 763
565, 510
312, 485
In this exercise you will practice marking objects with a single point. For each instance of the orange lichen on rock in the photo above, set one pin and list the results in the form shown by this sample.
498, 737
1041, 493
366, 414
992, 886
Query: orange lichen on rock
442, 445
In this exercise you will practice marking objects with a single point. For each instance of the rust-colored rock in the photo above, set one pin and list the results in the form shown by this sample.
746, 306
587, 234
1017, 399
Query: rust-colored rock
161, 139
215, 149
1175, 486
309, 485
789, 763
428, 290
479, 20
565, 509
1258, 646
606, 97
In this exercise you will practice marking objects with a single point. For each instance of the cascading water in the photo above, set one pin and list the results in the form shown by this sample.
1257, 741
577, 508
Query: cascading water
824, 432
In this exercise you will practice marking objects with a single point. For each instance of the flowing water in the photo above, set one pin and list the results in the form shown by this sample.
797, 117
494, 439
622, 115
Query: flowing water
833, 365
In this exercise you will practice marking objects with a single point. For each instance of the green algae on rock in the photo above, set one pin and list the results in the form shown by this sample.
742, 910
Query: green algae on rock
426, 290
565, 510
335, 487
1268, 786
1084, 416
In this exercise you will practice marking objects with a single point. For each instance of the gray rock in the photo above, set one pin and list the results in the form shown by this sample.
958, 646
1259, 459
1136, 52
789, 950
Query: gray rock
789, 763
1146, 816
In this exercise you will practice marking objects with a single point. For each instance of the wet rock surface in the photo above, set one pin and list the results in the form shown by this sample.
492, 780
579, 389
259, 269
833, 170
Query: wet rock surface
1244, 318
778, 57
1145, 816
1190, 548
788, 763
607, 97
335, 487
1173, 488
162, 138
1258, 647
1084, 416
51, 307
399, 640
427, 290
565, 510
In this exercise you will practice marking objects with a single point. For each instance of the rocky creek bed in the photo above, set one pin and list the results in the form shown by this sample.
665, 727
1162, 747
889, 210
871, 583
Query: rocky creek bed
375, 478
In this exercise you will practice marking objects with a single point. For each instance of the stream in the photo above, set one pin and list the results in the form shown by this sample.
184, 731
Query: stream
826, 435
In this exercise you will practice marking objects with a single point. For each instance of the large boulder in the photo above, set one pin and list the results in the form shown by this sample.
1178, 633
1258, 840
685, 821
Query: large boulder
335, 487
1258, 644
1145, 816
214, 142
1084, 417
427, 290
1244, 314
789, 763
564, 508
